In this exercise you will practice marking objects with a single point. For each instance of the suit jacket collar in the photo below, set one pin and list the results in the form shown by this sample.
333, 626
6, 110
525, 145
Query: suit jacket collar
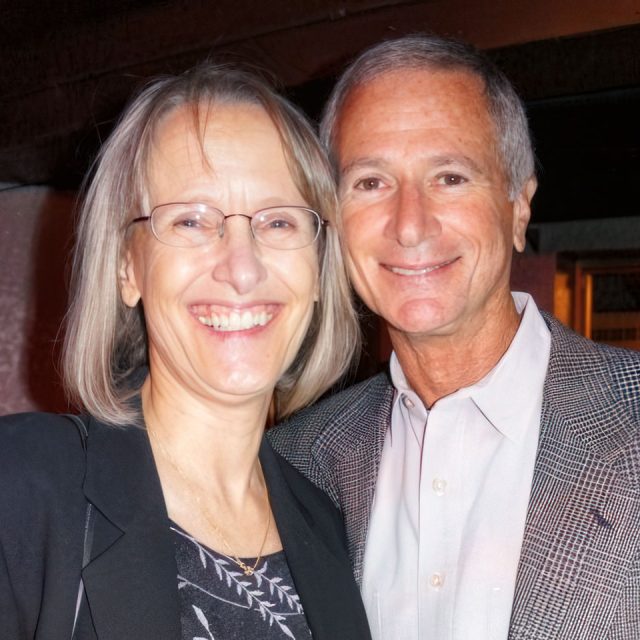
356, 459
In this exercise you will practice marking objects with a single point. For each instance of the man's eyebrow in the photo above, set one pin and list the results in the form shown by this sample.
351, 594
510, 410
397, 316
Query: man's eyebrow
450, 159
442, 160
359, 163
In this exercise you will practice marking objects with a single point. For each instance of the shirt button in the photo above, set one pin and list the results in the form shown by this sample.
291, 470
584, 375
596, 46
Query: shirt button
439, 486
436, 580
407, 402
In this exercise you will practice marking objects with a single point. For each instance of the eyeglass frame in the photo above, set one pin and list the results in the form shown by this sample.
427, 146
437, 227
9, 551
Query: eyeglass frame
322, 223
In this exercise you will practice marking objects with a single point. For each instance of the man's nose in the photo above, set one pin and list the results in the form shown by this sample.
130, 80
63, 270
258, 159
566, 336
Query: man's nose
414, 219
238, 257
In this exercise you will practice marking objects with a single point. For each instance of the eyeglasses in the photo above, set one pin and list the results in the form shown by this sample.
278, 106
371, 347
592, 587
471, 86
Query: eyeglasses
192, 224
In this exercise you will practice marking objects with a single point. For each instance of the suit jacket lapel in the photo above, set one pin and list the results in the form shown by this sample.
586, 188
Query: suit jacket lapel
352, 449
315, 567
131, 582
583, 524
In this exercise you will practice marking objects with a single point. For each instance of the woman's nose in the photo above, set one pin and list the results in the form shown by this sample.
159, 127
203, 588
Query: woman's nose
238, 257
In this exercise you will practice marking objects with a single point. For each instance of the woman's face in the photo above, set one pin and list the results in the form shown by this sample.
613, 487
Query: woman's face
265, 296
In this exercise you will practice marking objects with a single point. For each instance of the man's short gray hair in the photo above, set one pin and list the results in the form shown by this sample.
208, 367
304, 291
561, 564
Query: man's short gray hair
426, 52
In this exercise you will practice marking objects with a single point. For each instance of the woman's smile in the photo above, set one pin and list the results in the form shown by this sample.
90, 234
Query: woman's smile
228, 319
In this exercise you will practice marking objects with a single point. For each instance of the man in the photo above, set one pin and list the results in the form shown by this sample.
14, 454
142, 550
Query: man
489, 483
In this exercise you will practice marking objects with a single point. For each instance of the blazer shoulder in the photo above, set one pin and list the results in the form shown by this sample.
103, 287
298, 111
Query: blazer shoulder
344, 411
312, 499
35, 432
40, 449
623, 366
593, 370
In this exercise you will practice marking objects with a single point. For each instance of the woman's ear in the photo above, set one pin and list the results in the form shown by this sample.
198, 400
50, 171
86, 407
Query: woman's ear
129, 291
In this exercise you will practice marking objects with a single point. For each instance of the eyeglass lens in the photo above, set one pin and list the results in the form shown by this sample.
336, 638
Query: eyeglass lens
190, 225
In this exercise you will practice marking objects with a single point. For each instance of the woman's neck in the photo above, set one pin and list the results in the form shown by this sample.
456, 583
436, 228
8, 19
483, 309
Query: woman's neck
214, 441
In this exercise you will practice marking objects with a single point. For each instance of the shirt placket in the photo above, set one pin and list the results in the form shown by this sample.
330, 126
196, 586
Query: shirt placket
440, 515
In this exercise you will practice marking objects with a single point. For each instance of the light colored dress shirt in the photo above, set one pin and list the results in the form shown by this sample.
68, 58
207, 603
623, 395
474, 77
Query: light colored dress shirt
451, 499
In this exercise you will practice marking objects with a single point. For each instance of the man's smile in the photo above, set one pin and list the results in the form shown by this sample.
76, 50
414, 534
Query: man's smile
417, 271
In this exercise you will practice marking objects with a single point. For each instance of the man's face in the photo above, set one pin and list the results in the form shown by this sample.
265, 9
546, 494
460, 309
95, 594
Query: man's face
426, 217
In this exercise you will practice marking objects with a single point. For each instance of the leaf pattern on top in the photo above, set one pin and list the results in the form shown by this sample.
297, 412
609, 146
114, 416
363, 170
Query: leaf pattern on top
224, 593
203, 621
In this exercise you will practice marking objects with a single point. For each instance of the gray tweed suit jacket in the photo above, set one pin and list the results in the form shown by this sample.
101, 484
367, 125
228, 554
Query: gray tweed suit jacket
579, 570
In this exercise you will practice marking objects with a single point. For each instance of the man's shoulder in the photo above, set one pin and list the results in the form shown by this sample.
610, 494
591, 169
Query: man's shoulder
369, 397
585, 358
310, 497
346, 416
594, 383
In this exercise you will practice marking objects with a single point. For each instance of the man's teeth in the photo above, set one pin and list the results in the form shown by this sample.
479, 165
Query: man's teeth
236, 321
417, 272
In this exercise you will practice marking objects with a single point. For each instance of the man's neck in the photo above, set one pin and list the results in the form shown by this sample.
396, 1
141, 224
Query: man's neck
437, 366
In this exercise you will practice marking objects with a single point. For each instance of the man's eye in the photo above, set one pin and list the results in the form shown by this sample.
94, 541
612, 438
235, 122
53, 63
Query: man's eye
452, 179
369, 184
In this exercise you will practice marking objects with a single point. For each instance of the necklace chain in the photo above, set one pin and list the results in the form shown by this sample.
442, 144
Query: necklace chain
247, 569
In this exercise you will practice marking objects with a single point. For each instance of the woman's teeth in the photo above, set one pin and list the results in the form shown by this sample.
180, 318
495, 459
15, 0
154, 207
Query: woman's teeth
235, 321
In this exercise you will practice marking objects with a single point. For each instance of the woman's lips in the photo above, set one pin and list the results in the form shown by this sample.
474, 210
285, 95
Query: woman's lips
222, 318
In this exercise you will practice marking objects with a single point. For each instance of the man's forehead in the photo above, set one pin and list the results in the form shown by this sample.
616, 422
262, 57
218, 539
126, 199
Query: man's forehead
428, 82
411, 99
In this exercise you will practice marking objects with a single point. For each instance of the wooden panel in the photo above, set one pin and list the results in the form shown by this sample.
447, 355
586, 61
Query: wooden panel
34, 245
535, 274
66, 69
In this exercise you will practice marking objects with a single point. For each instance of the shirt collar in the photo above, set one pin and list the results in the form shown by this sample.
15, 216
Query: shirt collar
511, 393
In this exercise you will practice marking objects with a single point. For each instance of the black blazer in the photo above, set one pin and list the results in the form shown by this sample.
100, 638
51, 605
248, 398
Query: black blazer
46, 480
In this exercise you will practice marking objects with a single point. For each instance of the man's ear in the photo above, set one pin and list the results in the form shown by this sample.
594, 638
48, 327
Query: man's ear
522, 213
129, 291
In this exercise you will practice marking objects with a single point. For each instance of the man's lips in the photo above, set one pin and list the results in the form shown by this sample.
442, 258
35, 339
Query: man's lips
417, 270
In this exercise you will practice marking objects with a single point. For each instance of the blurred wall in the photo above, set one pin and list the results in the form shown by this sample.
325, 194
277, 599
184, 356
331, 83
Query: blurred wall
35, 242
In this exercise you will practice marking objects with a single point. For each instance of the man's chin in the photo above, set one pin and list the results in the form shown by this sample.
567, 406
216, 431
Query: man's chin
421, 326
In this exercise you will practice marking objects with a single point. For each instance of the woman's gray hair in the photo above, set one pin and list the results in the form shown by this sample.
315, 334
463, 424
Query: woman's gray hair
105, 341
426, 52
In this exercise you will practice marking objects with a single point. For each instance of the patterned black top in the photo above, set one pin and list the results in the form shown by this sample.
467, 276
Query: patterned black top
219, 602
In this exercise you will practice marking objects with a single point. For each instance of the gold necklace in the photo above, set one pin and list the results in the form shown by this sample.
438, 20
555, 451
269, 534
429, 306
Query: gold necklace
248, 570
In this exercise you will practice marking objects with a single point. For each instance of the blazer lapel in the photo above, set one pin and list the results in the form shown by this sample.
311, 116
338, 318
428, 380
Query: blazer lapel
131, 581
352, 449
583, 522
315, 567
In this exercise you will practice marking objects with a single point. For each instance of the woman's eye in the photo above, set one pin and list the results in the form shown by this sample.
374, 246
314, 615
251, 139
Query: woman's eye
195, 222
369, 184
452, 179
279, 223
187, 223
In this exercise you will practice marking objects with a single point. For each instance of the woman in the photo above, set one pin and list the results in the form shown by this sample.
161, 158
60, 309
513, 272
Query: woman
203, 255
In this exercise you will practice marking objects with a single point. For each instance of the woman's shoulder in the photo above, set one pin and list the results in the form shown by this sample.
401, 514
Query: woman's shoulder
39, 444
36, 430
